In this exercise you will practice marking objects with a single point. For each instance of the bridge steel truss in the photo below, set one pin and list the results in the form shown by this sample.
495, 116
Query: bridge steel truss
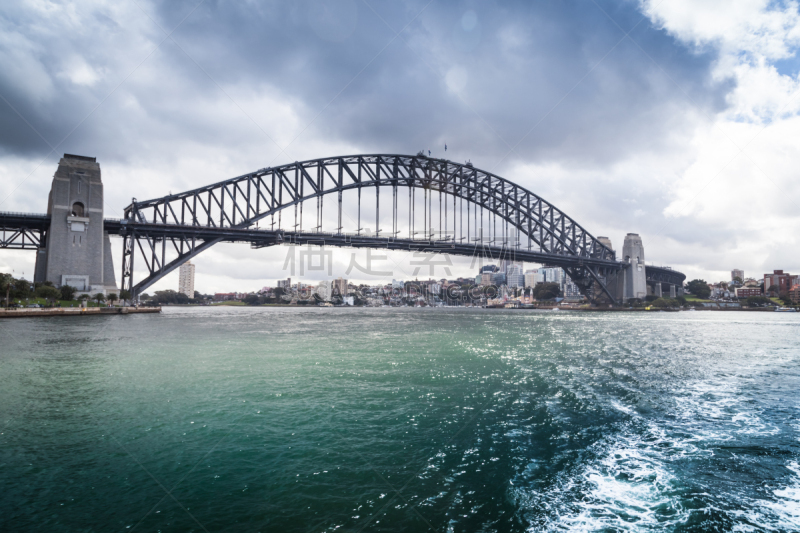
170, 230
23, 231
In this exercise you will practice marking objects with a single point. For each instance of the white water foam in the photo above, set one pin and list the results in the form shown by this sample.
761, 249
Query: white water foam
780, 514
628, 487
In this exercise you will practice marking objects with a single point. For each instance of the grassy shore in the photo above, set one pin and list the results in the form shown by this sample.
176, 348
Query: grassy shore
59, 303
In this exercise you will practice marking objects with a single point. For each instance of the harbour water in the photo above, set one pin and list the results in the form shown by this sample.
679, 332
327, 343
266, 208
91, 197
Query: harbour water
313, 420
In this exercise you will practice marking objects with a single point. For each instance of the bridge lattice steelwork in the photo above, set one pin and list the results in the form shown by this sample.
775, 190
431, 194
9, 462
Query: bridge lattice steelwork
449, 207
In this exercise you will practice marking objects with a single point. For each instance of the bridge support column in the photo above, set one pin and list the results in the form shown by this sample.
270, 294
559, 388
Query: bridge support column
657, 289
635, 276
672, 291
77, 251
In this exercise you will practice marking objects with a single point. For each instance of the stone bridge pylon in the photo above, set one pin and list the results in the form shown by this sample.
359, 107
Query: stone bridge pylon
75, 249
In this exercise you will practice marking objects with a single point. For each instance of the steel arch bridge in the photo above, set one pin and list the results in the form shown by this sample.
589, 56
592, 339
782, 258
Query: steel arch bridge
476, 213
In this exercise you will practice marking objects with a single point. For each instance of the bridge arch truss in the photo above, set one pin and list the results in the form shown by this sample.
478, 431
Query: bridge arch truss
170, 230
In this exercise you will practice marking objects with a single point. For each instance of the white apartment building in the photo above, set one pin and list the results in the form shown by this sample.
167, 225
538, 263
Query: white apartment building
186, 279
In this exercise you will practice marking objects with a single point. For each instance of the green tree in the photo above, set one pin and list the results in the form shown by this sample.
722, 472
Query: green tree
112, 297
48, 293
6, 285
124, 295
170, 297
699, 288
68, 292
251, 299
757, 301
21, 289
665, 302
99, 297
546, 291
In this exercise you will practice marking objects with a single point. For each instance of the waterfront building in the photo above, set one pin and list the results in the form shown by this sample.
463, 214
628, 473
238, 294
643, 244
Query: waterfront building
794, 294
397, 284
746, 292
499, 278
783, 280
340, 287
531, 277
485, 278
224, 296
186, 279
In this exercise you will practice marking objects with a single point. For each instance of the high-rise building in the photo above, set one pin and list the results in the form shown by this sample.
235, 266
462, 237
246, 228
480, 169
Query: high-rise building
551, 275
186, 279
557, 275
340, 287
506, 264
531, 277
736, 273
514, 277
285, 283
568, 288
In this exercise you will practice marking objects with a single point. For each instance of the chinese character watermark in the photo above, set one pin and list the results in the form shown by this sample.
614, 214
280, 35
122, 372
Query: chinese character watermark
312, 259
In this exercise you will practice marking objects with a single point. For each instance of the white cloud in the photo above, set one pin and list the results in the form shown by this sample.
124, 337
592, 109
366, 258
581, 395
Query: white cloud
760, 28
741, 172
79, 72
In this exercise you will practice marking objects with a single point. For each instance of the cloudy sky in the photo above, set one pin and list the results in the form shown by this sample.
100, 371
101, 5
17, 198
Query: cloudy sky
675, 119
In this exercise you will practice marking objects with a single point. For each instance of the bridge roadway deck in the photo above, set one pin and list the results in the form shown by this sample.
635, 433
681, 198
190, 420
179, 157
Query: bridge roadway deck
262, 238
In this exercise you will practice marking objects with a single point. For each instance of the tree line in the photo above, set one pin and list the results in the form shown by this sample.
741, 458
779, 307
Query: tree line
21, 289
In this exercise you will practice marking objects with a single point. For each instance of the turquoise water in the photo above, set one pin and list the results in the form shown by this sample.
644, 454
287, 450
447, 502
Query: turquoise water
255, 419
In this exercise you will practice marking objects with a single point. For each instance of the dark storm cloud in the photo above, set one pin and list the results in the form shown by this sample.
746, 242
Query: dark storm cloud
478, 76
